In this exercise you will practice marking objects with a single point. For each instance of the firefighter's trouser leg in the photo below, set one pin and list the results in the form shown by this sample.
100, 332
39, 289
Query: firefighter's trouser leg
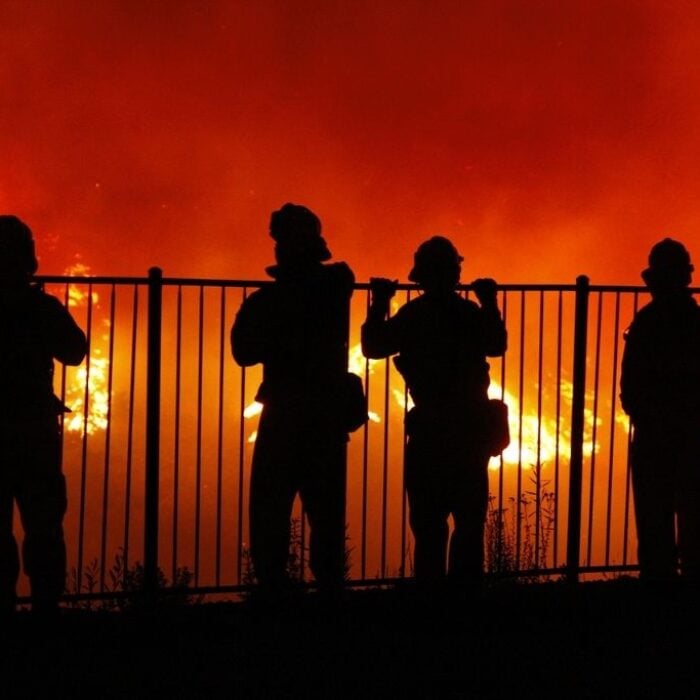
31, 466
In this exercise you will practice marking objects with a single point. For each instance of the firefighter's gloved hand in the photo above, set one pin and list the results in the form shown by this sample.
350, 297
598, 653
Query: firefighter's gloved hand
382, 289
485, 289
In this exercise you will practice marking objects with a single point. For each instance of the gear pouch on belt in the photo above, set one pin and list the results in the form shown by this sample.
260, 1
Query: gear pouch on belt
496, 430
354, 402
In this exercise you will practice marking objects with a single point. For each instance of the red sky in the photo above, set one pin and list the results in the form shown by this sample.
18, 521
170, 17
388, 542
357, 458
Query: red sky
546, 138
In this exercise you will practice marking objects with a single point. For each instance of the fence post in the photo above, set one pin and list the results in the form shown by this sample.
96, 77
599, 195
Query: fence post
573, 548
155, 297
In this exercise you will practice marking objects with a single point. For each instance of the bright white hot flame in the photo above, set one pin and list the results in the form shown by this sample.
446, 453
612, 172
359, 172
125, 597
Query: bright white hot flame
252, 410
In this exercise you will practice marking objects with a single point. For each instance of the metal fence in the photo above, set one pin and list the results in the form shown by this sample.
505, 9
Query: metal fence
158, 447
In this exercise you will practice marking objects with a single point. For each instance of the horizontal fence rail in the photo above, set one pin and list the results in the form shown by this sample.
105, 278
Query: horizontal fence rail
158, 445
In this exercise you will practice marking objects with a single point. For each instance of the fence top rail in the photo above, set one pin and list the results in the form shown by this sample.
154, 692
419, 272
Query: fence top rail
83, 279
252, 283
401, 286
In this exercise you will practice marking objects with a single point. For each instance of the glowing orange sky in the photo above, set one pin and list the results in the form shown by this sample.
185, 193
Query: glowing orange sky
547, 138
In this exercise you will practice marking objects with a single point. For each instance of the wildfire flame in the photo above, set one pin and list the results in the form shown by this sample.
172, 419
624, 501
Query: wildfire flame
538, 443
76, 296
83, 385
539, 436
98, 398
534, 439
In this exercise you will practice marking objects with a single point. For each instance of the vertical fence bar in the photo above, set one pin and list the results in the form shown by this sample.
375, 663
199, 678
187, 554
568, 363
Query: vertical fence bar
628, 473
594, 431
84, 446
176, 430
130, 436
501, 467
611, 457
198, 449
365, 467
242, 552
385, 470
521, 403
155, 309
573, 550
220, 436
404, 494
557, 451
108, 439
538, 464
344, 476
66, 303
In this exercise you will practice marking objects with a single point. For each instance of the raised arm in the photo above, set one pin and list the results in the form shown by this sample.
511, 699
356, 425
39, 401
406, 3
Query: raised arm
380, 334
495, 336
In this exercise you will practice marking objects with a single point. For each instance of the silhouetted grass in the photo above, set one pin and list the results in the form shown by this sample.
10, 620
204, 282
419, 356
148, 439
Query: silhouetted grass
127, 583
518, 537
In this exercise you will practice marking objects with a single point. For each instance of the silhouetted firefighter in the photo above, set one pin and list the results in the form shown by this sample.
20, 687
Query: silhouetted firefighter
442, 341
660, 390
35, 329
298, 329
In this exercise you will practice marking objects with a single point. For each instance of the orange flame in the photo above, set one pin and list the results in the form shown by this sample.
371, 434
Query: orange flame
95, 381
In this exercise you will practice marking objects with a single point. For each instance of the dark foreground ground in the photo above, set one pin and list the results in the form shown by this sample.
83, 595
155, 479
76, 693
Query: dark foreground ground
594, 640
